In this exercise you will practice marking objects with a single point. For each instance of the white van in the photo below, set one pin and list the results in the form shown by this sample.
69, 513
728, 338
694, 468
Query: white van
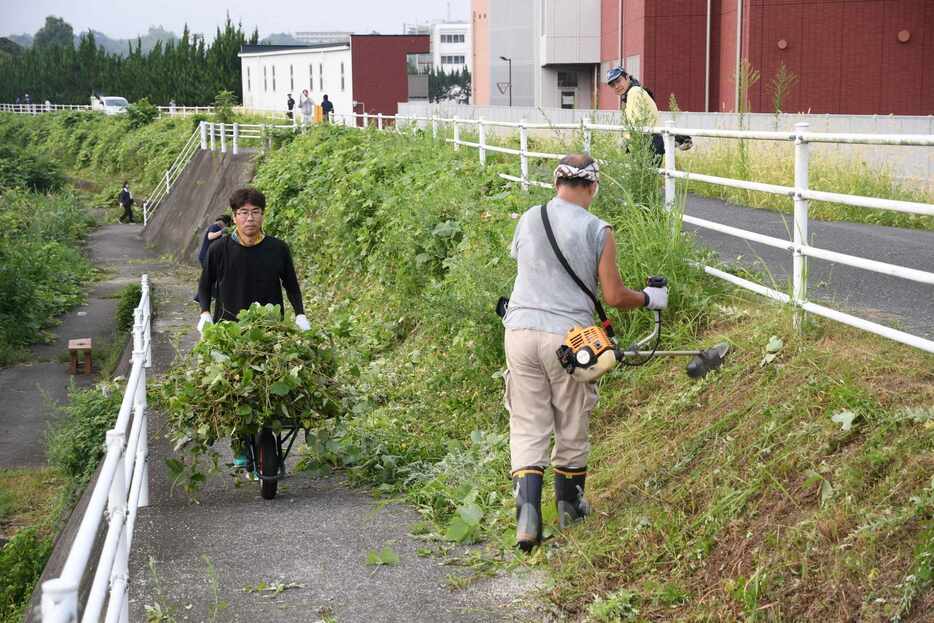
109, 105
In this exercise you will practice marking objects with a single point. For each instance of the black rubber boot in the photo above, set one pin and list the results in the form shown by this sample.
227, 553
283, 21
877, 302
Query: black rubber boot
569, 495
527, 489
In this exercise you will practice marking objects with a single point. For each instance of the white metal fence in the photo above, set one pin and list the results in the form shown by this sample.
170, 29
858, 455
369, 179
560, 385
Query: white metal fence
120, 490
214, 137
800, 194
36, 109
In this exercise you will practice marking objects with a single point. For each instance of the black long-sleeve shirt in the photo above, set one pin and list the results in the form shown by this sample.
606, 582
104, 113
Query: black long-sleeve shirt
247, 275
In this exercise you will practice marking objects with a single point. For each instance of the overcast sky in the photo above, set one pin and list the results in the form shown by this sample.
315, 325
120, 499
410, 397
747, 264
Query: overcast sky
126, 18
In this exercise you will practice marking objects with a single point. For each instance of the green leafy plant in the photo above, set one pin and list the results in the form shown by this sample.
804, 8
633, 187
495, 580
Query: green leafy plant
616, 607
384, 557
141, 113
224, 104
21, 564
76, 443
127, 303
258, 372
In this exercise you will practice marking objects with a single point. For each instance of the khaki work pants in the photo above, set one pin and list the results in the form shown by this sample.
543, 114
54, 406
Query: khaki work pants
542, 399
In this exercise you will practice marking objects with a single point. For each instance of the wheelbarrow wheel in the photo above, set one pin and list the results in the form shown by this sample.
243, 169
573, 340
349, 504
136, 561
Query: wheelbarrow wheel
267, 463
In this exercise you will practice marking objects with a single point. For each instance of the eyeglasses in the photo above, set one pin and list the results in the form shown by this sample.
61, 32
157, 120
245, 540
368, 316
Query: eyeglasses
256, 214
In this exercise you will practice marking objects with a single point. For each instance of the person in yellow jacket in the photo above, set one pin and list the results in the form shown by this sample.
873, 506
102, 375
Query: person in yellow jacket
637, 103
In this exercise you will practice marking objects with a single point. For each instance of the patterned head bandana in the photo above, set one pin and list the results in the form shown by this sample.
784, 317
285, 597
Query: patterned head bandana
591, 172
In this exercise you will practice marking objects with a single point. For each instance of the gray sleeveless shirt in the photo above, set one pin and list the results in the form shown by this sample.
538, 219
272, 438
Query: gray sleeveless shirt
544, 296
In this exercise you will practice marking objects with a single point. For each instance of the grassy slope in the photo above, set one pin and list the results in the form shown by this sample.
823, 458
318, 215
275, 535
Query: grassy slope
739, 497
736, 496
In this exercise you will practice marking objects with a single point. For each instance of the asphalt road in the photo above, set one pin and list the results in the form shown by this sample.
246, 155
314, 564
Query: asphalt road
900, 303
33, 392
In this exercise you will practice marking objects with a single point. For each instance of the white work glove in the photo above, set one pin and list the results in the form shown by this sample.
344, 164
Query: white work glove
656, 298
302, 322
204, 321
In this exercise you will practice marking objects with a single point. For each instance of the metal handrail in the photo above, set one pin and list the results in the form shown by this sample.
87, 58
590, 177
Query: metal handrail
120, 490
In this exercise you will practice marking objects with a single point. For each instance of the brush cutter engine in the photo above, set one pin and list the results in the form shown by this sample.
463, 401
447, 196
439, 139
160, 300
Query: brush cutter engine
590, 352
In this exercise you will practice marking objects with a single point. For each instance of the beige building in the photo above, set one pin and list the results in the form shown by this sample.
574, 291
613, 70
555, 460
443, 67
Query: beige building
541, 52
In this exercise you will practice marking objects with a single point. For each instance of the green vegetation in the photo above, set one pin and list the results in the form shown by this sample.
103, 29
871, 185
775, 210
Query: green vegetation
22, 169
738, 496
41, 267
189, 70
101, 151
28, 498
259, 372
774, 164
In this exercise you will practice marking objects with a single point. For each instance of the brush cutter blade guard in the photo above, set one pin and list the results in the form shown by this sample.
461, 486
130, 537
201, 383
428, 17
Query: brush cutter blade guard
707, 360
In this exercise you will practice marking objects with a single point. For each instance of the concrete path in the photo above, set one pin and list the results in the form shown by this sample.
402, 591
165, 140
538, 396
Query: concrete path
31, 392
196, 560
904, 304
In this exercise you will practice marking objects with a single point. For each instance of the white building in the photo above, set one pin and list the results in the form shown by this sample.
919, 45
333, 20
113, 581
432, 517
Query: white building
451, 46
270, 72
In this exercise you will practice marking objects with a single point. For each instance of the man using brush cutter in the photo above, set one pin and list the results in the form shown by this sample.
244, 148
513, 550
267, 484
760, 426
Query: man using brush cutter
563, 251
248, 267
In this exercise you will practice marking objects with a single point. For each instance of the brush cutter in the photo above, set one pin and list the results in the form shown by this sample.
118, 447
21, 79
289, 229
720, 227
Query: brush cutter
590, 352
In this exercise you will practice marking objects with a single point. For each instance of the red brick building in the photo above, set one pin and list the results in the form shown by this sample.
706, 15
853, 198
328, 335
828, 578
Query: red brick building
849, 56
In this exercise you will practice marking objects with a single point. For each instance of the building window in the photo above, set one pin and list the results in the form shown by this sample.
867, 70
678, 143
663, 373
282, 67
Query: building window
321, 76
342, 76
248, 79
291, 78
311, 77
567, 99
265, 84
273, 78
567, 79
452, 60
418, 64
452, 38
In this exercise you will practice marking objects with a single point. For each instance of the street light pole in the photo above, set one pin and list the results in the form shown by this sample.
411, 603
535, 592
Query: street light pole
509, 60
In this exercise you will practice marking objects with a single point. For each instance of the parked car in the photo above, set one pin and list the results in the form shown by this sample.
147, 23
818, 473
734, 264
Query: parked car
109, 104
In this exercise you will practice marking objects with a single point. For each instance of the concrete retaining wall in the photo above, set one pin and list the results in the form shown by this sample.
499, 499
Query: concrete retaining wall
200, 194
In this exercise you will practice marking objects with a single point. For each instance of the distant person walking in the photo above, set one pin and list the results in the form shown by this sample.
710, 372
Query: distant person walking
307, 106
126, 200
326, 109
290, 104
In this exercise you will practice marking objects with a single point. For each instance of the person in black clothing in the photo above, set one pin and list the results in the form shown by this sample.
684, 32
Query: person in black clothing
290, 103
215, 231
248, 267
326, 108
126, 200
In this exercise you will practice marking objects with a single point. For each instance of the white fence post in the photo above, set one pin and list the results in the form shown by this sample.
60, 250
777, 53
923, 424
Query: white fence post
366, 120
481, 134
236, 138
223, 129
457, 135
379, 121
203, 127
212, 135
168, 186
668, 138
523, 153
799, 261
434, 126
588, 135
59, 600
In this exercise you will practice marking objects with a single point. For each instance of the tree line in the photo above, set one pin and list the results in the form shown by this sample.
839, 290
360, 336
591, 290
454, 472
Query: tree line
189, 70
